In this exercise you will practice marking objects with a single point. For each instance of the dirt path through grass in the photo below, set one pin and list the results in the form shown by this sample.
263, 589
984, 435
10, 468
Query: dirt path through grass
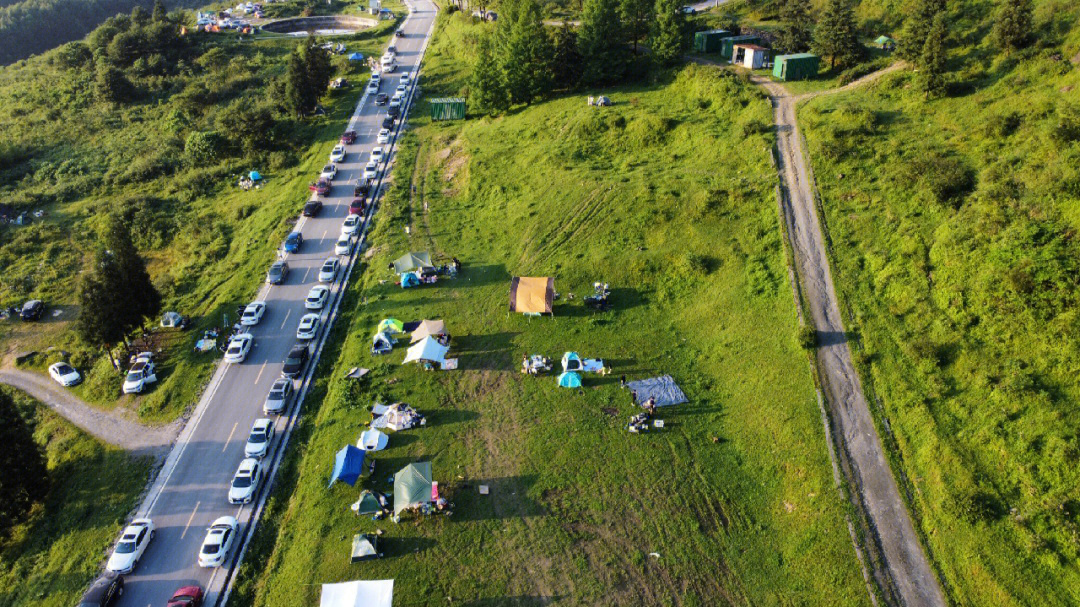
108, 426
901, 565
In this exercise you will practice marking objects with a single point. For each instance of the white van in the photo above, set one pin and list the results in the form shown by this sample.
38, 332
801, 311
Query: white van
388, 63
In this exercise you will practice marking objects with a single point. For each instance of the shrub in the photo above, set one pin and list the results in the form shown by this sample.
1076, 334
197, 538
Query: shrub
1068, 123
943, 177
204, 147
808, 338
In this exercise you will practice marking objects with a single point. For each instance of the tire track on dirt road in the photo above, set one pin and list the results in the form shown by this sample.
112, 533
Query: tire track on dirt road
902, 568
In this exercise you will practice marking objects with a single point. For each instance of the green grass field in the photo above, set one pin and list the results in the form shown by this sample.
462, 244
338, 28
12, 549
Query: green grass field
207, 242
52, 557
668, 196
953, 224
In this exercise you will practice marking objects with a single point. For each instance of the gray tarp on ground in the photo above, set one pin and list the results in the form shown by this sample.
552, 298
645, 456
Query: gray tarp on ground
663, 388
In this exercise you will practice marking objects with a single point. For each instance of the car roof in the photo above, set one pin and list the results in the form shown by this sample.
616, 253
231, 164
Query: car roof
100, 586
297, 348
261, 423
293, 235
139, 366
280, 383
247, 466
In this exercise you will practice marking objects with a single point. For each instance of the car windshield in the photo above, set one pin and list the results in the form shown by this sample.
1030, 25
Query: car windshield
276, 394
257, 437
125, 547
234, 349
134, 375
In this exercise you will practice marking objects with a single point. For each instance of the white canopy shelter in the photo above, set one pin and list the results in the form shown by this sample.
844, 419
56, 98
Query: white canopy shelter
358, 593
429, 349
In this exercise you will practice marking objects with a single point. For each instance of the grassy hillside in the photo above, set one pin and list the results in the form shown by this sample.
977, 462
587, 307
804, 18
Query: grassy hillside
51, 558
77, 157
668, 196
953, 224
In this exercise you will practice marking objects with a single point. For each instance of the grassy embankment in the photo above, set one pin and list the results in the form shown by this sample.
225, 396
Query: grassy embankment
953, 224
668, 196
51, 558
207, 242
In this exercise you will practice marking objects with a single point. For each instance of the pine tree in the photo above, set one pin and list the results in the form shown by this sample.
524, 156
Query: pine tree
796, 33
917, 27
293, 96
1012, 29
318, 70
159, 14
932, 62
526, 56
110, 83
139, 16
835, 36
25, 479
668, 39
100, 322
487, 89
600, 40
636, 15
140, 298
565, 58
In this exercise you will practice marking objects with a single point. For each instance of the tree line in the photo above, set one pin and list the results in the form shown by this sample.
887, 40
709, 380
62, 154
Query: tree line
523, 60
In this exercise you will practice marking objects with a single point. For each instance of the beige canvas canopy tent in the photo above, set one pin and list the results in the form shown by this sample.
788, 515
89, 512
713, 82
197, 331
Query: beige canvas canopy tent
428, 328
410, 262
532, 295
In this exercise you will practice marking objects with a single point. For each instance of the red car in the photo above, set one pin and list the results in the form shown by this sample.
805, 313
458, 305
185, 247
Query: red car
188, 596
348, 137
356, 207
320, 187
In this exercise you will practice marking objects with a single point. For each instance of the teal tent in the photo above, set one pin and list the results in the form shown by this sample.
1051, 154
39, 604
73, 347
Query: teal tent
412, 486
409, 279
356, 57
570, 379
254, 176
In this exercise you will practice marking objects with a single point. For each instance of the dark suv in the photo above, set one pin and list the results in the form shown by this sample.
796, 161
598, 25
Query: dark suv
295, 360
104, 592
381, 99
312, 208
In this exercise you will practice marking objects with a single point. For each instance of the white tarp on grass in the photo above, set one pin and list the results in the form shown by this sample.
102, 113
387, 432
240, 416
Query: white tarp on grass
359, 593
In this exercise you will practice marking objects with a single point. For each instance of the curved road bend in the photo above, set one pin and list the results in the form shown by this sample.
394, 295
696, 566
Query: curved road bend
191, 489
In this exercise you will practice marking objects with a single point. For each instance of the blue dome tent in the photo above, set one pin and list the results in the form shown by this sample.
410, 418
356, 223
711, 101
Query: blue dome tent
356, 56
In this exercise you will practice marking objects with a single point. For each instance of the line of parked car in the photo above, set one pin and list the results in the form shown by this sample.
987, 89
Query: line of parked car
223, 533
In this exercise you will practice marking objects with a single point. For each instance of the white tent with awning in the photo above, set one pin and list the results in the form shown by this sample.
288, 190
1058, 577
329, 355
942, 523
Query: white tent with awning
358, 593
429, 349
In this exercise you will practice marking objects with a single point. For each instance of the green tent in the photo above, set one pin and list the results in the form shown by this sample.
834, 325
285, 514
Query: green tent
412, 486
367, 504
390, 326
410, 262
883, 40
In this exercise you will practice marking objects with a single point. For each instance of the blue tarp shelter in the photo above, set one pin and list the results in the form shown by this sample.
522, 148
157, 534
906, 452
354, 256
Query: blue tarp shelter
356, 57
348, 465
569, 379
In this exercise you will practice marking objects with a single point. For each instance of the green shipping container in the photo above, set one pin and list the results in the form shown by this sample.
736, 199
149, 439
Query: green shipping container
800, 66
447, 108
709, 41
728, 44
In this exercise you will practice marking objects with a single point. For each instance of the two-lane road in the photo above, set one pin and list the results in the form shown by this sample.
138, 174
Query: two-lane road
191, 489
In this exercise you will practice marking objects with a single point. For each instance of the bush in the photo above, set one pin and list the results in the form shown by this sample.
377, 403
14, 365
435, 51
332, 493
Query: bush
943, 177
808, 337
204, 147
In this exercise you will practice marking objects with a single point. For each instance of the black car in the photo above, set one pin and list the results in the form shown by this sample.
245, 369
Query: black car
394, 111
312, 208
295, 361
388, 122
361, 190
104, 592
381, 99
32, 310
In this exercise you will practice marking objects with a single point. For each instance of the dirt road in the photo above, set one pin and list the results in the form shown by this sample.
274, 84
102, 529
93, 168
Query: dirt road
110, 427
903, 569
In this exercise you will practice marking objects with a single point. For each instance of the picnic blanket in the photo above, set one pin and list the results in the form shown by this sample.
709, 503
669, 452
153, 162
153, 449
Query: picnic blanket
663, 389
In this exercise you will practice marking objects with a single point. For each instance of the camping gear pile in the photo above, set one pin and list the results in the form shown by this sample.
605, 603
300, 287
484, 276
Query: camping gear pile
599, 299
535, 364
573, 366
652, 393
396, 417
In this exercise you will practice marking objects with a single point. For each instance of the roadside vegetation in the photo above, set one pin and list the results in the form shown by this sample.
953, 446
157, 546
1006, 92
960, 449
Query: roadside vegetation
140, 122
952, 208
52, 554
668, 196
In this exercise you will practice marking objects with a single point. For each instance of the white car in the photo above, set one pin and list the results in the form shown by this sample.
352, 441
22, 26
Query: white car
140, 375
246, 482
376, 77
384, 136
239, 346
309, 327
316, 297
338, 153
133, 542
406, 79
328, 271
351, 225
371, 170
64, 374
258, 442
344, 245
373, 87
278, 397
395, 101
218, 542
253, 313
402, 89
377, 154
329, 172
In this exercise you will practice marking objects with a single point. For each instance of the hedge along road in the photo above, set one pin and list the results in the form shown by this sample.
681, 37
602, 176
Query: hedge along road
191, 490
907, 578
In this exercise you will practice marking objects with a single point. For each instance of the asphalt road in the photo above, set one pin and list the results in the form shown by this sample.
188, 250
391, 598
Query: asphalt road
191, 489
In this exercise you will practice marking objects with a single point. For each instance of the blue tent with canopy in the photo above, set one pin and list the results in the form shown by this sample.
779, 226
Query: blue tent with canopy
569, 379
348, 465
356, 56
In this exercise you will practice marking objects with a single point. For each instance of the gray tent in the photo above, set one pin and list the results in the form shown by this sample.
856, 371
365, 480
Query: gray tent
410, 262
663, 389
367, 504
364, 547
381, 343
